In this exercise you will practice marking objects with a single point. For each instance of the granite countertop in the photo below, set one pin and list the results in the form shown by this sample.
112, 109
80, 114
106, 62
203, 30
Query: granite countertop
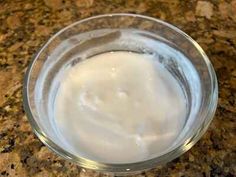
26, 24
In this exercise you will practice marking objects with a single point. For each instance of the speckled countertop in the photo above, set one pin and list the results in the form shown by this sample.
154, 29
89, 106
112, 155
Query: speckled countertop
26, 24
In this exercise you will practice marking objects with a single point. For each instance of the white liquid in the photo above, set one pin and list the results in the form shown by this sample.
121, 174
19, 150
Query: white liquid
119, 107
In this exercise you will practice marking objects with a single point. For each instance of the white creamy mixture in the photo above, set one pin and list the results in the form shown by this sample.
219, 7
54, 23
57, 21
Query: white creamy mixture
119, 107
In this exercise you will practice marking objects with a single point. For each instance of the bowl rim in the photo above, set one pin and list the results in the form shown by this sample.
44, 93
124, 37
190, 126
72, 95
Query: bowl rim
124, 167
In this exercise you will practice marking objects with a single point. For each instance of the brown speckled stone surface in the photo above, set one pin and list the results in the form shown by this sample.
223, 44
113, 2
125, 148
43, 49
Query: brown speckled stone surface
26, 24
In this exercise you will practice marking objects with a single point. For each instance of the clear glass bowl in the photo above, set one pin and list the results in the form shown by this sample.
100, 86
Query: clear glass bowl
96, 35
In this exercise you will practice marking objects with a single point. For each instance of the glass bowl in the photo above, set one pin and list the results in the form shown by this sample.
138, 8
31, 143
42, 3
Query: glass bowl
96, 35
